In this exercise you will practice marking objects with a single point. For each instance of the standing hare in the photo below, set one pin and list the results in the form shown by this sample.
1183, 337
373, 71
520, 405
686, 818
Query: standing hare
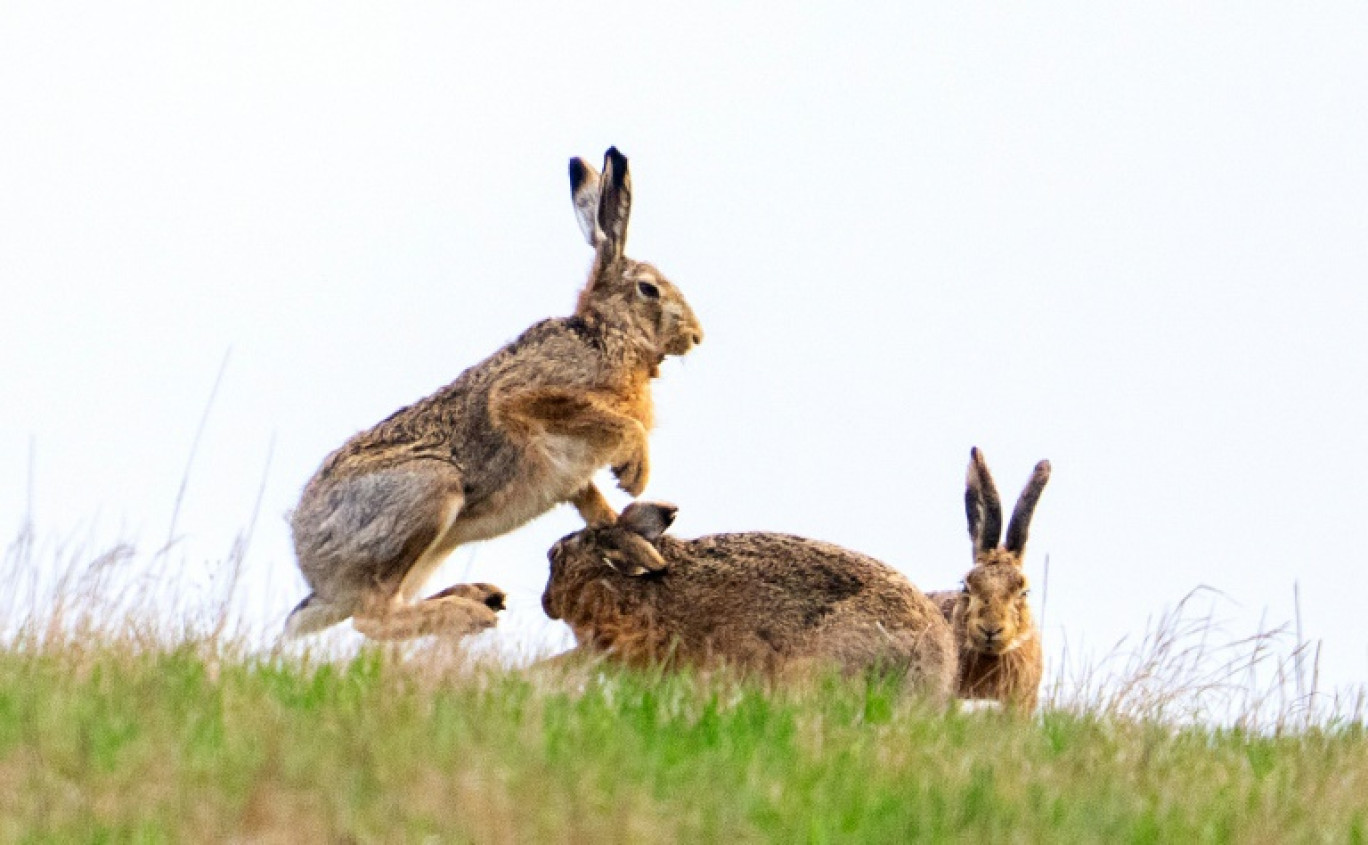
511, 437
1000, 654
768, 603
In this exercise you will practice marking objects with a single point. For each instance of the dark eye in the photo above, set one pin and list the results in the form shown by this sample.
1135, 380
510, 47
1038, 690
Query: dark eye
648, 290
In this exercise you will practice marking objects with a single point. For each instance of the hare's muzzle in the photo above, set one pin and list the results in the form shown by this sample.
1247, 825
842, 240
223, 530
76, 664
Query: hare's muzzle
993, 641
681, 328
686, 338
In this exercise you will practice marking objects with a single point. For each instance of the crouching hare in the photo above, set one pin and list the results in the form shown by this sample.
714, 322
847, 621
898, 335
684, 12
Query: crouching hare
511, 437
768, 603
1000, 653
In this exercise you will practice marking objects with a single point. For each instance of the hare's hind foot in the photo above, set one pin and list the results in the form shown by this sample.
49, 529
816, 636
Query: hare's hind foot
455, 612
486, 594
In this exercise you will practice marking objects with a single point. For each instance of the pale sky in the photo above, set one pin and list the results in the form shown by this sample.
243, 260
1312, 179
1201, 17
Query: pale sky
1132, 240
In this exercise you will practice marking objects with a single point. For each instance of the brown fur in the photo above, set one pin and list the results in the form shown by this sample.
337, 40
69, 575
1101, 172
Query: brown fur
1000, 654
768, 603
511, 437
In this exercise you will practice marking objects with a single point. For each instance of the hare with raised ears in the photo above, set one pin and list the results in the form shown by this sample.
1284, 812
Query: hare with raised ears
512, 436
1000, 653
773, 604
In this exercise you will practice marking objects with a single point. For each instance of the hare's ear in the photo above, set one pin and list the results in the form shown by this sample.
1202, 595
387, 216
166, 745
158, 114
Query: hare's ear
981, 504
584, 192
634, 556
648, 519
1025, 508
615, 204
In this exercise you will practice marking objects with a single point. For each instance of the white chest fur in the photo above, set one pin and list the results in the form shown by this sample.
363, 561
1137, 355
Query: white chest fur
556, 467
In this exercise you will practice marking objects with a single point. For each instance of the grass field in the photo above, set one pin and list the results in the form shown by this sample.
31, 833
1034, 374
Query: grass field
114, 741
116, 725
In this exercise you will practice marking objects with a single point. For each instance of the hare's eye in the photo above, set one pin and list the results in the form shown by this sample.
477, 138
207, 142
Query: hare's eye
648, 290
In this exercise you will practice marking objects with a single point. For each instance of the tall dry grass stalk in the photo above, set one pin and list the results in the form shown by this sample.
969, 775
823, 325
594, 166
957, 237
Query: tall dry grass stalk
67, 591
1186, 667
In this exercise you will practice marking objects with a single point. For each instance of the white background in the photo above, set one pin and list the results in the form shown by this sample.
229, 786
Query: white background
1133, 240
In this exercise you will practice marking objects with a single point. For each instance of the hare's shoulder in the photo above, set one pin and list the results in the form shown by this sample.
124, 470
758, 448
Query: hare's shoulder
558, 349
553, 352
559, 338
555, 342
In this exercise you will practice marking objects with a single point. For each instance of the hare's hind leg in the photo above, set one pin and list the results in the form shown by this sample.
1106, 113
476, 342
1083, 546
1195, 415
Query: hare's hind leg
370, 540
454, 612
436, 551
390, 613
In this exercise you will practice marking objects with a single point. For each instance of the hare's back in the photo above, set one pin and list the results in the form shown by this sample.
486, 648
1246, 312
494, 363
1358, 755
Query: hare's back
806, 599
777, 561
455, 423
795, 579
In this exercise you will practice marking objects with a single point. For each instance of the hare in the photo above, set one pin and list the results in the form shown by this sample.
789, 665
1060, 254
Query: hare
773, 604
1000, 654
510, 438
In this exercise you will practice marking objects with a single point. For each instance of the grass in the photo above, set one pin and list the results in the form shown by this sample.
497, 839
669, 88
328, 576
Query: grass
122, 721
108, 741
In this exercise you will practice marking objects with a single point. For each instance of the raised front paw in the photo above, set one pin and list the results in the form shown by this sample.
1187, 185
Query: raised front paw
633, 475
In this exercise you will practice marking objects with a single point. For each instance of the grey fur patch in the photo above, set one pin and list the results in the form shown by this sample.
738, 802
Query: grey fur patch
362, 530
312, 615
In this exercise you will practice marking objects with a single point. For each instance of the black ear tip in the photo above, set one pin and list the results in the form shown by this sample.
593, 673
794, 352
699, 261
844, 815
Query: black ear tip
579, 171
978, 468
618, 162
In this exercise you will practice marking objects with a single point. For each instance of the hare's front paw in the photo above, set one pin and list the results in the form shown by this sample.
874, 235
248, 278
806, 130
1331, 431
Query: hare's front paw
633, 474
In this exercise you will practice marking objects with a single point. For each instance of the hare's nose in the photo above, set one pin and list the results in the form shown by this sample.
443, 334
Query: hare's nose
696, 336
990, 634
